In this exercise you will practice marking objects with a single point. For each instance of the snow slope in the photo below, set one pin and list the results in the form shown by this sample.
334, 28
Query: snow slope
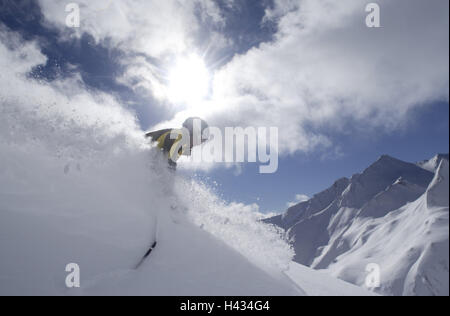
433, 163
319, 283
394, 214
80, 184
187, 261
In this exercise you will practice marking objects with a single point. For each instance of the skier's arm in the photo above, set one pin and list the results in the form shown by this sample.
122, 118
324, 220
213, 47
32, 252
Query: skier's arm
157, 134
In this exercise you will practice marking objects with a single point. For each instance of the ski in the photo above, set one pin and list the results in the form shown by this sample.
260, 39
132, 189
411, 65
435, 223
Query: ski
149, 251
153, 245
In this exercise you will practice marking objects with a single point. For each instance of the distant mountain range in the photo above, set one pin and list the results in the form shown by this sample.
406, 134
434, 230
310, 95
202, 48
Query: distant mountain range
394, 214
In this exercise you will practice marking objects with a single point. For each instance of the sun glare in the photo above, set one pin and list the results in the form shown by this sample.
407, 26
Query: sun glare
188, 80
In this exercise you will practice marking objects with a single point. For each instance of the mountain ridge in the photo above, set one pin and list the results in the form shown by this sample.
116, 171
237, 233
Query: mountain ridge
328, 229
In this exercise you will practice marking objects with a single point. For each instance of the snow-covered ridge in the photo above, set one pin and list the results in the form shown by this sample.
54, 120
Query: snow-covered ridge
393, 214
433, 163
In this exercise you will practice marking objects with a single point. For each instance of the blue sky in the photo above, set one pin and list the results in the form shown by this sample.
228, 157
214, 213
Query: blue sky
427, 134
340, 93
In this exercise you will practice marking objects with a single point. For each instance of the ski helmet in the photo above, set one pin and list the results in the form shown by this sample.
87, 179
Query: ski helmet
197, 125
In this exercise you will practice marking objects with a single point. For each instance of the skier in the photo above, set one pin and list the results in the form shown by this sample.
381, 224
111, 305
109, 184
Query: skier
173, 143
176, 142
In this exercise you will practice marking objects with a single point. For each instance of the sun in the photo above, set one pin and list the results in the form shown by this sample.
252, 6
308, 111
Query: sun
188, 80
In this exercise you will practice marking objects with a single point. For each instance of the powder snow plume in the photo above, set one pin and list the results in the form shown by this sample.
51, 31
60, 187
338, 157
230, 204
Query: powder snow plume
78, 180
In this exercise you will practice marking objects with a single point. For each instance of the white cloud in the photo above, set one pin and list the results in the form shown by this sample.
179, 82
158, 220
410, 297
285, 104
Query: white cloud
163, 30
298, 199
27, 55
156, 28
326, 69
160, 29
30, 109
